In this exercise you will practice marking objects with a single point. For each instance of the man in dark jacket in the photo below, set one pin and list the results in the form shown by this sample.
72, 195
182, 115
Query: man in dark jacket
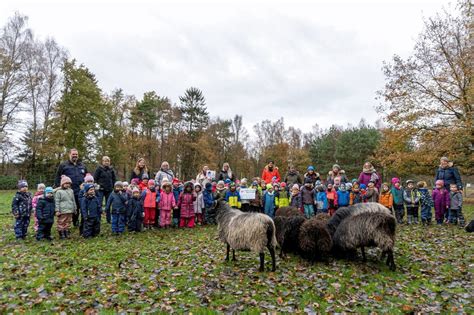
75, 170
448, 173
293, 177
105, 176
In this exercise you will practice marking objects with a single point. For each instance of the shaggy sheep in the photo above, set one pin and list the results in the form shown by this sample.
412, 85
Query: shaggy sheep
288, 212
287, 233
322, 217
314, 239
364, 229
470, 227
345, 212
246, 231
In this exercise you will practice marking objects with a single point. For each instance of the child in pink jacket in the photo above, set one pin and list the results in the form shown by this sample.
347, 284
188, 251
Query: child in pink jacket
167, 204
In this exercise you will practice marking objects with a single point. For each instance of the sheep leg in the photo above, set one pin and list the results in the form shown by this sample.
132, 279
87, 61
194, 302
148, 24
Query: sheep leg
272, 253
262, 262
393, 267
233, 255
363, 253
227, 253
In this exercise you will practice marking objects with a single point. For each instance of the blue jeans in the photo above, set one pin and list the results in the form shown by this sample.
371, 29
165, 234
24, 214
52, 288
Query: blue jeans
21, 226
101, 195
426, 214
118, 222
308, 211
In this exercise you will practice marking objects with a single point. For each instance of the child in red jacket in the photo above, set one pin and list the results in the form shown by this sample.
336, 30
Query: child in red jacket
331, 194
150, 198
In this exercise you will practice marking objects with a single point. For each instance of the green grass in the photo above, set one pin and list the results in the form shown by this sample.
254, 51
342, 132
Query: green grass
183, 270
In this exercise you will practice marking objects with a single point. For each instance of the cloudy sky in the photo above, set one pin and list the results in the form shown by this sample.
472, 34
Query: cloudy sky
310, 62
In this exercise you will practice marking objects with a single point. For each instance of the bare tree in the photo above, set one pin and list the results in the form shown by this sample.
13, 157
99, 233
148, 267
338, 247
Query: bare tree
15, 40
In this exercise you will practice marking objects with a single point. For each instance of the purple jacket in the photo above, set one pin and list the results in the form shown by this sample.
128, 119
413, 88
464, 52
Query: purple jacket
440, 198
364, 178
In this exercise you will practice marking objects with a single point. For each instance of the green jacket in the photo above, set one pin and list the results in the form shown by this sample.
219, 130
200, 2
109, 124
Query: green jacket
65, 202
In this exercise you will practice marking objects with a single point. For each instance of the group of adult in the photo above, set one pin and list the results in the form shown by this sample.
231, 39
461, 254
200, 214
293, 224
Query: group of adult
105, 176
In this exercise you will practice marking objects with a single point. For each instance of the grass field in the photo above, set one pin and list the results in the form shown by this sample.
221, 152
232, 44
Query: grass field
183, 271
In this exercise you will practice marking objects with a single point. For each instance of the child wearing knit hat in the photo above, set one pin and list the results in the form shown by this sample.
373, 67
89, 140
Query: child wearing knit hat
65, 206
38, 194
397, 195
441, 201
21, 209
135, 212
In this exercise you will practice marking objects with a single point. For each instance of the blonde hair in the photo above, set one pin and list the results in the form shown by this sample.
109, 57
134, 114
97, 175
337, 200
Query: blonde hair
137, 166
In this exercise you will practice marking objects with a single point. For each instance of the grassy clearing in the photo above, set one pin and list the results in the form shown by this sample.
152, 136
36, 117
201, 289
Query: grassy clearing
183, 270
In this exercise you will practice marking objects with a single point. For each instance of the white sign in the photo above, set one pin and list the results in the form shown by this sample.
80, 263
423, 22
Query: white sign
247, 193
211, 175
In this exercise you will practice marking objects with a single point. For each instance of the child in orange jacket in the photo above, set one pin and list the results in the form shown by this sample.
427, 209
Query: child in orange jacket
386, 197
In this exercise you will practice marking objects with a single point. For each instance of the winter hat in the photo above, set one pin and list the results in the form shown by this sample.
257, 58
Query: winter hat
386, 184
227, 181
41, 186
165, 180
321, 188
395, 180
65, 180
22, 183
208, 186
348, 186
363, 186
318, 182
151, 182
135, 181
175, 181
310, 168
269, 186
188, 184
439, 182
410, 181
243, 181
48, 190
89, 178
283, 185
125, 184
336, 166
88, 187
308, 180
254, 183
117, 184
165, 184
135, 189
354, 180
145, 176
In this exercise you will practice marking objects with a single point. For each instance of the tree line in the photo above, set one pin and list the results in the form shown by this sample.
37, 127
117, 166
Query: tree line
49, 102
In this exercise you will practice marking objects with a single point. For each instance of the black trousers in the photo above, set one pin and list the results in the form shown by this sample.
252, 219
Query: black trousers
44, 230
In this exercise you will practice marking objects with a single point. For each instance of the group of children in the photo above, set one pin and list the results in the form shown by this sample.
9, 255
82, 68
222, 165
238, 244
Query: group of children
143, 204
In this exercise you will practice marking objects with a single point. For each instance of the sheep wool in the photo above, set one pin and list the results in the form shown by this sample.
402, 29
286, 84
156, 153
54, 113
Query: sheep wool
315, 239
288, 212
246, 231
366, 229
287, 233
345, 212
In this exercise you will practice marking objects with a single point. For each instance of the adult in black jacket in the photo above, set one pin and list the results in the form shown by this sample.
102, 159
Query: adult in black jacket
75, 170
226, 173
448, 173
140, 170
105, 177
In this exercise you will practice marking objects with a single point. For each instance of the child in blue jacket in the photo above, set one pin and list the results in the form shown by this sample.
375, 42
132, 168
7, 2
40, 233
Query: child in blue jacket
118, 201
45, 211
343, 196
21, 209
321, 199
91, 211
269, 203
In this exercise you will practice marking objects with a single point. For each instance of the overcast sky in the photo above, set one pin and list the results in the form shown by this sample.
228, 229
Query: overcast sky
317, 62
